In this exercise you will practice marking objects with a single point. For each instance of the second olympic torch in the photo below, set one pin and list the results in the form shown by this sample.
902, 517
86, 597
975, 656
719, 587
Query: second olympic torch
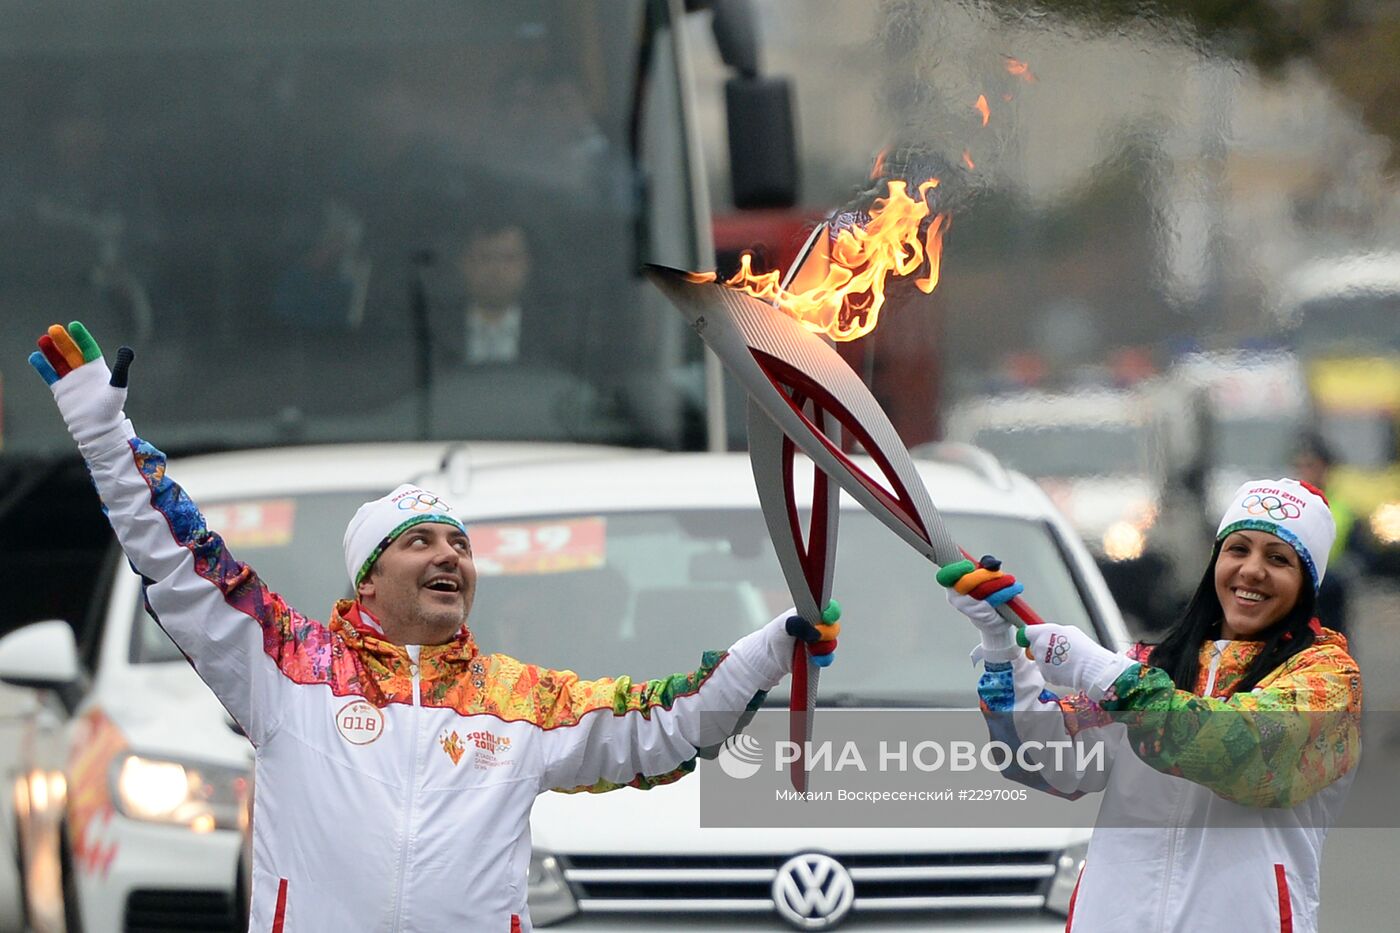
810, 395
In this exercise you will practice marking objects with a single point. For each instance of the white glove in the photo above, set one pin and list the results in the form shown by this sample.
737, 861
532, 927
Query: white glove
91, 406
998, 635
1070, 657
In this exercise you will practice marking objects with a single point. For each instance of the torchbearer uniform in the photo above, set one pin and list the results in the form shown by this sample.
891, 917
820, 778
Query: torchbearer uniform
1201, 806
1216, 802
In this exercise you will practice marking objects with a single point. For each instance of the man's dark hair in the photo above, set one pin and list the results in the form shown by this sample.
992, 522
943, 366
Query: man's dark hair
488, 215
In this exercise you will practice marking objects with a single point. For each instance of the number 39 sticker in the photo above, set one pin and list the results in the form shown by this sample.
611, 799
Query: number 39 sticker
539, 547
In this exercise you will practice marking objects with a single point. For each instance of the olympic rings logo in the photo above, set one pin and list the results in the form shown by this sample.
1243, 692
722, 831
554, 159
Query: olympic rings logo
423, 502
1057, 651
1272, 506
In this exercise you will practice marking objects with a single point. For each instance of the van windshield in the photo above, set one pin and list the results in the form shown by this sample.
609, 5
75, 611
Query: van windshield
645, 593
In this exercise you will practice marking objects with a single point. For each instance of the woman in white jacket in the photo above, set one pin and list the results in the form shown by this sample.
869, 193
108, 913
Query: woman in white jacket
1228, 748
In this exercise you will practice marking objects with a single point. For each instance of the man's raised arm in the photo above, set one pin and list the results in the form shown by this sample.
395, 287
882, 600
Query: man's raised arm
230, 626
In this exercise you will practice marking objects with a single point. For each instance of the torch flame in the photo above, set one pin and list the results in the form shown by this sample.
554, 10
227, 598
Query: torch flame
846, 302
982, 108
1020, 69
879, 168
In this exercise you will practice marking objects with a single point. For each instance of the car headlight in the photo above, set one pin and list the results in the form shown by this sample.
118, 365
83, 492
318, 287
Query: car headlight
201, 796
1385, 523
1067, 868
549, 895
1123, 541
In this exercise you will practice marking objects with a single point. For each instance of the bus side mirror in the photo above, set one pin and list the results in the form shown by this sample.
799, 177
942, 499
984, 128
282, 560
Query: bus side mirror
762, 130
762, 142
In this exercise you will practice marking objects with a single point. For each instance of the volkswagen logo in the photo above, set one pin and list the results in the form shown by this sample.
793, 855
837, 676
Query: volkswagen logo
813, 892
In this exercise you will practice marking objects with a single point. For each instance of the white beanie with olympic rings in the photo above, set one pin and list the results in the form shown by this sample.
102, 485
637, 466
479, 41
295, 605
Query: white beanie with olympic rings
1296, 512
377, 523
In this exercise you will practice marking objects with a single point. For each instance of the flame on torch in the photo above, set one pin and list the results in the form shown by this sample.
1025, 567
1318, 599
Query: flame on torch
1019, 69
982, 108
846, 302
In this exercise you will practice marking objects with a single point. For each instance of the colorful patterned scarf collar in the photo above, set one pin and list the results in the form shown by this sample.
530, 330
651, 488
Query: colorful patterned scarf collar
1235, 658
362, 633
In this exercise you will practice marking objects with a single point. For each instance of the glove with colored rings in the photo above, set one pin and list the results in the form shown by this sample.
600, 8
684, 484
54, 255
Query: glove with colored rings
820, 638
976, 590
89, 395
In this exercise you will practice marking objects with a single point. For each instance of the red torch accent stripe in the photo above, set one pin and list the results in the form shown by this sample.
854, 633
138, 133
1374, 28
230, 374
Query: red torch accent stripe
899, 504
797, 716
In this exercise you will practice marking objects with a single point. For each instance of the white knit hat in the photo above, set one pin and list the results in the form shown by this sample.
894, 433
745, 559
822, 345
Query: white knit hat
376, 524
1296, 512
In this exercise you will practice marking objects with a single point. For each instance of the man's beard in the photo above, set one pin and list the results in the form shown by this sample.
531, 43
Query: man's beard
455, 616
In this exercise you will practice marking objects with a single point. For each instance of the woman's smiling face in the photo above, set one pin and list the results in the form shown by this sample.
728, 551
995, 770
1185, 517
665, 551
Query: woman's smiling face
1258, 579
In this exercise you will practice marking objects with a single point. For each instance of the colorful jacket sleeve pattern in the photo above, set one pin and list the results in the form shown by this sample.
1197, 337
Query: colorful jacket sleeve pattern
201, 596
1275, 746
623, 696
618, 732
1069, 740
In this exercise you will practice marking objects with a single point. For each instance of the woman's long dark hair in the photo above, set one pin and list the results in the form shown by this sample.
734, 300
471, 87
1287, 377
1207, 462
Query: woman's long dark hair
1179, 652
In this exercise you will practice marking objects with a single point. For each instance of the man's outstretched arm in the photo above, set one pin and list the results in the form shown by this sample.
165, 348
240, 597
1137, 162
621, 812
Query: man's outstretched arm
610, 733
216, 610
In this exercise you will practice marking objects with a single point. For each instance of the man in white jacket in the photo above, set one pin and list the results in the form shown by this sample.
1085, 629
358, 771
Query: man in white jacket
396, 764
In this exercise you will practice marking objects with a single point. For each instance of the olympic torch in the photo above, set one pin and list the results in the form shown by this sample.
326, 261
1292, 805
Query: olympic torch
788, 372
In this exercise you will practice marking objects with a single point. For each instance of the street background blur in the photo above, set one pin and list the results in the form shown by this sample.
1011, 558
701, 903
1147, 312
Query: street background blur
1173, 260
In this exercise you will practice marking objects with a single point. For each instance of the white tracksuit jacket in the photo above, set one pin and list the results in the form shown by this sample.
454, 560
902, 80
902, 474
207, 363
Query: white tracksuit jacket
1216, 804
394, 793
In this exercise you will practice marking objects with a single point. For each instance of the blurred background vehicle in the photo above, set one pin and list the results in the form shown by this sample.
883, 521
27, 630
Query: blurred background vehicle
601, 560
1102, 456
1236, 415
1341, 314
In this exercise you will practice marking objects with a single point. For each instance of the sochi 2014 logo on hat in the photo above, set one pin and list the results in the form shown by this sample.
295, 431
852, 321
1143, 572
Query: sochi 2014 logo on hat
418, 500
1271, 505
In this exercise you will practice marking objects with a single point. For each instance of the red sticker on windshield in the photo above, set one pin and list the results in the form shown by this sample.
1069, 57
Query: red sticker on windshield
539, 547
257, 523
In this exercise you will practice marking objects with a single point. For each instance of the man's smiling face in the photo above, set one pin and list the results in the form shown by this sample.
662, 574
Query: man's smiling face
423, 584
